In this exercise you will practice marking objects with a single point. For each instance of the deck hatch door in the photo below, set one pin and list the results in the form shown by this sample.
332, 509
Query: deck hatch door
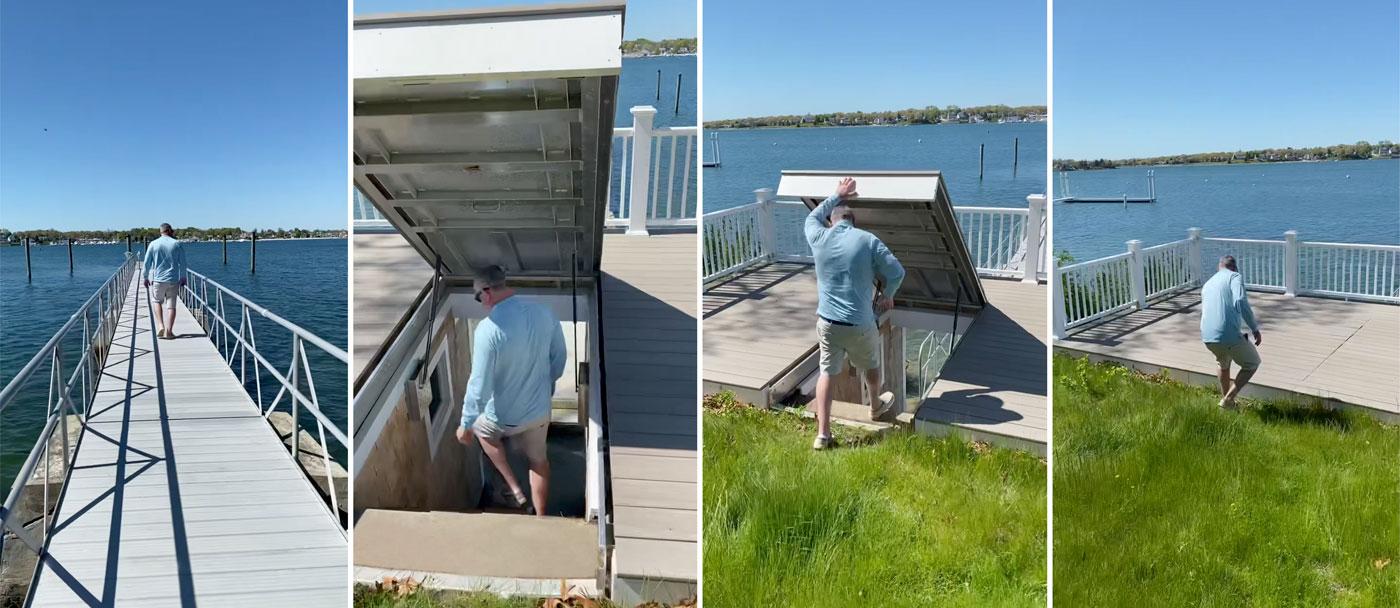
911, 213
484, 136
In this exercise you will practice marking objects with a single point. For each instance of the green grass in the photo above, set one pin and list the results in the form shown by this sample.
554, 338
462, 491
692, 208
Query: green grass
370, 597
905, 520
1162, 499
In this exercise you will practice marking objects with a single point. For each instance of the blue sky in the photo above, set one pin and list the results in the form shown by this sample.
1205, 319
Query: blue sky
121, 114
655, 19
1198, 76
794, 57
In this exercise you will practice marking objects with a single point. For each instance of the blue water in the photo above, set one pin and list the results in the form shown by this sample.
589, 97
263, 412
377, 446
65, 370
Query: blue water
303, 281
637, 87
754, 158
1347, 201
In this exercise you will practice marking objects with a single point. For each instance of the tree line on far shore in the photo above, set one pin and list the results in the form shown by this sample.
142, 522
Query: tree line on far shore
1360, 150
140, 235
910, 116
643, 47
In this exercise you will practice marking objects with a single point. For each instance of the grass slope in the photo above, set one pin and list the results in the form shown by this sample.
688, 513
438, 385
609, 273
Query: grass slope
1162, 499
906, 520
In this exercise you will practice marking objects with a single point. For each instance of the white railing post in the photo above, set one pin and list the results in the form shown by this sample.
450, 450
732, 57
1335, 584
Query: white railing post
1058, 314
1290, 263
1031, 270
768, 239
1193, 254
1138, 277
642, 117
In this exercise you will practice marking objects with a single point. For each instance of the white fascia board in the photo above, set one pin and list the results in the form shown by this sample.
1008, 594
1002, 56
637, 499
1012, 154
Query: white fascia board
870, 185
486, 46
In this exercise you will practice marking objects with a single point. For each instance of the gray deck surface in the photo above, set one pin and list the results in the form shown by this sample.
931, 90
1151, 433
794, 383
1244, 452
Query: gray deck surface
209, 510
649, 331
758, 325
437, 542
993, 387
1345, 351
388, 275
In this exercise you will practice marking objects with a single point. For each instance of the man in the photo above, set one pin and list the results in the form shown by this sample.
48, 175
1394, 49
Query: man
848, 261
164, 265
1223, 304
517, 355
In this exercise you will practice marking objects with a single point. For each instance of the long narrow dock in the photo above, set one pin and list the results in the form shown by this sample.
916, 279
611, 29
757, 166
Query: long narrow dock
1337, 351
649, 332
181, 493
993, 386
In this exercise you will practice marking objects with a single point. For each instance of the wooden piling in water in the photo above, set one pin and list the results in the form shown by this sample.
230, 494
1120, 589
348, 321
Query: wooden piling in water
658, 85
28, 270
70, 256
128, 242
678, 93
981, 155
225, 241
1015, 154
253, 254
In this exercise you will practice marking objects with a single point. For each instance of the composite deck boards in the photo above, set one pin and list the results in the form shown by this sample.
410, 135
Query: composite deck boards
1331, 349
181, 494
649, 331
758, 325
389, 275
993, 386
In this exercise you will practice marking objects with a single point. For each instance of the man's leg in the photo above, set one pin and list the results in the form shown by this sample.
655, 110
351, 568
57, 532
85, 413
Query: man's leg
824, 405
495, 450
155, 312
1241, 379
1248, 358
170, 320
535, 444
1223, 374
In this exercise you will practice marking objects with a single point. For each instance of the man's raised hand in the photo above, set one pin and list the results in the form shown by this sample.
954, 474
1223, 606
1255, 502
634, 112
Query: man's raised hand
846, 189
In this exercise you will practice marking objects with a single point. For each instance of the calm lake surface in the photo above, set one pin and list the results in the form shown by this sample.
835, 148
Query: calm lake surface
304, 281
755, 158
1346, 201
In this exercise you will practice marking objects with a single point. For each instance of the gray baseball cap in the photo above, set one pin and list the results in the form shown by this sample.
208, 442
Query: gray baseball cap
491, 276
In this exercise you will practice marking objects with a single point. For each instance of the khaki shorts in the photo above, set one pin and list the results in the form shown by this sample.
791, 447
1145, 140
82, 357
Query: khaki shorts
165, 294
1242, 353
839, 342
531, 438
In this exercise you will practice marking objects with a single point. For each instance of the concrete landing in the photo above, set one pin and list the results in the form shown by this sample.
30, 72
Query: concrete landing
857, 415
504, 553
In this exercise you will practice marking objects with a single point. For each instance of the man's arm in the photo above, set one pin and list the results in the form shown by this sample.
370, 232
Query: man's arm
180, 263
483, 368
1241, 299
888, 268
820, 218
146, 267
558, 351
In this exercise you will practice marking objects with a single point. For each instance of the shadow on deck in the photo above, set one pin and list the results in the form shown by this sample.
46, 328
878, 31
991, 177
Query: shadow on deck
1342, 353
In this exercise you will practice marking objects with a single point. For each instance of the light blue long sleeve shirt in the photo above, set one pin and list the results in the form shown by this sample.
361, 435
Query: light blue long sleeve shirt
517, 355
1224, 304
164, 261
848, 260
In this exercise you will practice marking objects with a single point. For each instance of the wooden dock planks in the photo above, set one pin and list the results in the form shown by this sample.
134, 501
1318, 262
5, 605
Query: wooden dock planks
181, 493
649, 331
758, 326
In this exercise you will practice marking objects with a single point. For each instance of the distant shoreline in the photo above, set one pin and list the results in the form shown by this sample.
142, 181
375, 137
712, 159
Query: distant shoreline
910, 124
87, 243
630, 56
1222, 164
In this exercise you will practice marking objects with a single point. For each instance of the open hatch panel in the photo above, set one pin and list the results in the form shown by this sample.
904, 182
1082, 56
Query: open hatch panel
911, 213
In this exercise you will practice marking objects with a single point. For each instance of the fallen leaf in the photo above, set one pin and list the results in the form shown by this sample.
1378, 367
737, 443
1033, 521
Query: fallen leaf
1381, 563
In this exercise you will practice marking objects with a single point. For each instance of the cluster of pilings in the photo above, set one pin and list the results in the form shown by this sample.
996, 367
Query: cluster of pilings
29, 265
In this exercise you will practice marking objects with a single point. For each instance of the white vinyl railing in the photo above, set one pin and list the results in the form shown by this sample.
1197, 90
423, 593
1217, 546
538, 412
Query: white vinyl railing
71, 362
769, 230
1090, 291
650, 186
214, 306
